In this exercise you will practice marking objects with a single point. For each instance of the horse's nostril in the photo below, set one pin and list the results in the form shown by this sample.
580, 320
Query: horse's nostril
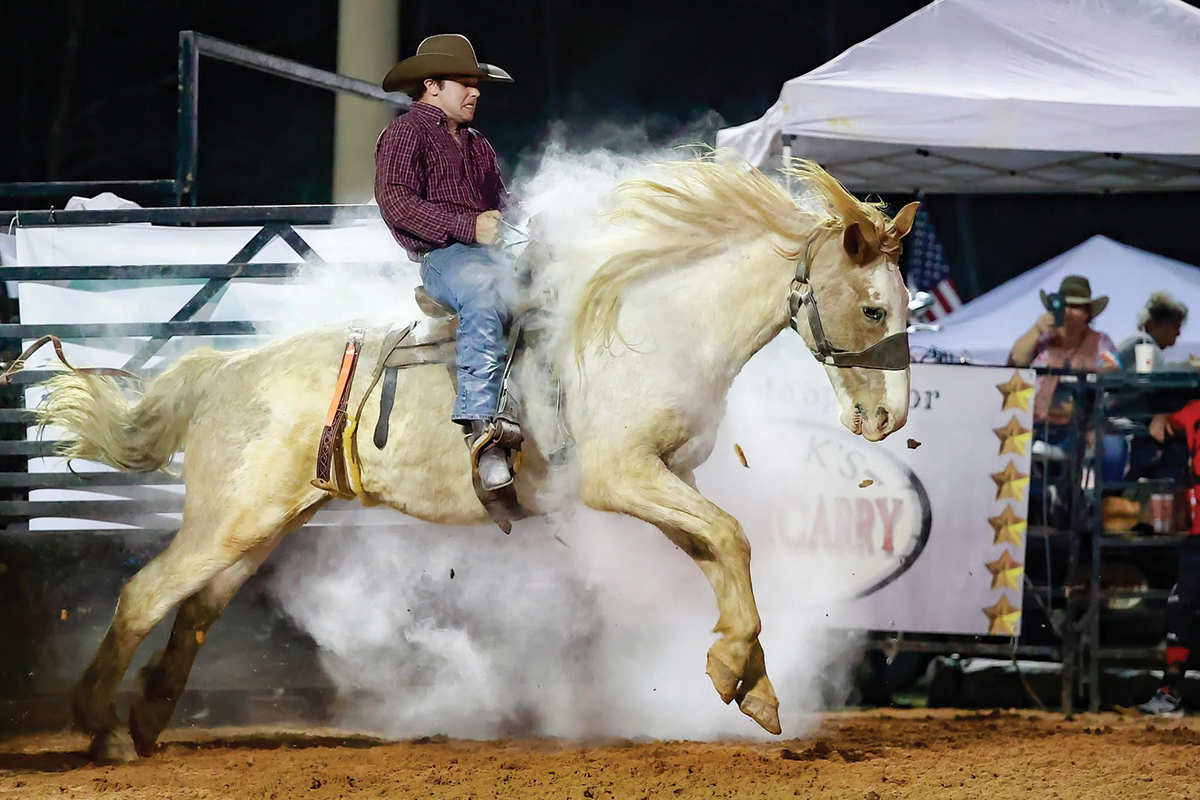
881, 415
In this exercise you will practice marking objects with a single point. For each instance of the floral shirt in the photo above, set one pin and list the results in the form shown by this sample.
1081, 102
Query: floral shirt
1055, 401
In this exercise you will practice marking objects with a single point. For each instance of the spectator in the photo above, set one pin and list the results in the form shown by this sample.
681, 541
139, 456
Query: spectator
1073, 345
1184, 602
1159, 324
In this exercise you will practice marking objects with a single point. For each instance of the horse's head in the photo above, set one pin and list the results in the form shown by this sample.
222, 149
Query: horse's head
862, 301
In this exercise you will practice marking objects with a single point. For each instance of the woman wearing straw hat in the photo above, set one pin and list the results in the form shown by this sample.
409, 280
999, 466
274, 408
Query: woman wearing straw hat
1074, 344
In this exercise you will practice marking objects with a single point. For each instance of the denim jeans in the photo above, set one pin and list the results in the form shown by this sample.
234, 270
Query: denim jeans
472, 281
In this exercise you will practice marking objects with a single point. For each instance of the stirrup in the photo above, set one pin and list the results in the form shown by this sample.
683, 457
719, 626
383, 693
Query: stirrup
488, 440
501, 503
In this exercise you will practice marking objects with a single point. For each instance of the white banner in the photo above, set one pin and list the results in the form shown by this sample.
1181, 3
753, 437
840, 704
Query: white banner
923, 532
926, 530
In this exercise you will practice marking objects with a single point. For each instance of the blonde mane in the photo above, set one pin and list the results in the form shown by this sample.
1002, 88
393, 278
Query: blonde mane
700, 207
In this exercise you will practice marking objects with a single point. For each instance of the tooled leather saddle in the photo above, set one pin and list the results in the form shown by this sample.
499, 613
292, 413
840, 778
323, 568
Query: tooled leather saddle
429, 341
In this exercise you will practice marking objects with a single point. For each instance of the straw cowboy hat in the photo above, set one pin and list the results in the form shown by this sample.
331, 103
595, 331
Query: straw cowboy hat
441, 56
1076, 291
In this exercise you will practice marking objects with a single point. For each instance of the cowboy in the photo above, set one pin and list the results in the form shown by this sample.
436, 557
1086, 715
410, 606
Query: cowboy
440, 192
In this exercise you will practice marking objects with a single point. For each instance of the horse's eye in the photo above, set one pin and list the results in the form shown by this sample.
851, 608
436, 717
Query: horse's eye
873, 314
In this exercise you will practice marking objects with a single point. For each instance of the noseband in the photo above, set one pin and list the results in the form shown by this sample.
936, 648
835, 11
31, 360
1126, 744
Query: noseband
890, 353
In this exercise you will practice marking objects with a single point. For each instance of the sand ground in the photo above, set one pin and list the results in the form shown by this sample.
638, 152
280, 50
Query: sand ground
860, 755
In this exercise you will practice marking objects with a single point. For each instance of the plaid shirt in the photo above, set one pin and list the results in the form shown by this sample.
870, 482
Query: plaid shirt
430, 188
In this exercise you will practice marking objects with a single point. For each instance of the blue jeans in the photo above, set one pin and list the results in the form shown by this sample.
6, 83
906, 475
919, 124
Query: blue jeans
471, 280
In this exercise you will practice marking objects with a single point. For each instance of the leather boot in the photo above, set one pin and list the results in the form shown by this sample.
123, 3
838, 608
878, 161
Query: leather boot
491, 462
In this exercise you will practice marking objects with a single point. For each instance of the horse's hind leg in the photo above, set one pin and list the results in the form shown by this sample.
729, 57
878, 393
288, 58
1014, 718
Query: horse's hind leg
200, 552
648, 490
162, 681
192, 559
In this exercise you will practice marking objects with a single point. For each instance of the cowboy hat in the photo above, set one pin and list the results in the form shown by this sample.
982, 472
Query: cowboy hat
443, 55
1076, 291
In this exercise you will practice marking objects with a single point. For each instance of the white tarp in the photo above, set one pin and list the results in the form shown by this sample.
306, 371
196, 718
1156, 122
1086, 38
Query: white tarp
1002, 95
896, 530
8, 256
883, 555
984, 329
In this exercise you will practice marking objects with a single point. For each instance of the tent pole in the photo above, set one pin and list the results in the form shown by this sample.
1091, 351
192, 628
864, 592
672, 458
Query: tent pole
787, 157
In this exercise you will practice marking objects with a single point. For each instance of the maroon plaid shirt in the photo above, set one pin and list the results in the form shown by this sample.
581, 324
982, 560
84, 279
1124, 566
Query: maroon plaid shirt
431, 188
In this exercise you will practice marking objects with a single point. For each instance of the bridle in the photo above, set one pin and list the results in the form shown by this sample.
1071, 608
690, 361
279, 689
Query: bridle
890, 353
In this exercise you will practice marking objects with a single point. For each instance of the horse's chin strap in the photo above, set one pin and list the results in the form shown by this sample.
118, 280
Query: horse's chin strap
890, 353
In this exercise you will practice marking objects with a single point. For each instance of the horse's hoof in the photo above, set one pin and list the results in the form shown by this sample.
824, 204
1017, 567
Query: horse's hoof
723, 679
144, 728
112, 747
763, 712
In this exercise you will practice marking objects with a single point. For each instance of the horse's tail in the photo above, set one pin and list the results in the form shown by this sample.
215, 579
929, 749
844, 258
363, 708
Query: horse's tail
102, 425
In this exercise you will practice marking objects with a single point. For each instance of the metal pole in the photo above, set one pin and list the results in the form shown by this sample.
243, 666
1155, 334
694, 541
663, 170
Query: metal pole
368, 46
188, 120
295, 71
1096, 528
1070, 633
1076, 648
786, 159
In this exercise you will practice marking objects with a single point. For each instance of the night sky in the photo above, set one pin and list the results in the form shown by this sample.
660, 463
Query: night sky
94, 98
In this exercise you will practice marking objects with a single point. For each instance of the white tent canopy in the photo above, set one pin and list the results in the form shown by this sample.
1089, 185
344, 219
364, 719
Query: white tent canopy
1002, 95
984, 329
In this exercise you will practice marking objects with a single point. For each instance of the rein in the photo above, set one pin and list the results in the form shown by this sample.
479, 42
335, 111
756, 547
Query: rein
890, 353
18, 363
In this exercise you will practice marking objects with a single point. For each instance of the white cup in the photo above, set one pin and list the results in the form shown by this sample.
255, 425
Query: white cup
1143, 357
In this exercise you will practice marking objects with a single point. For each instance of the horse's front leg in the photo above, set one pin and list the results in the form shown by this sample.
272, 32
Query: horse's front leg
645, 488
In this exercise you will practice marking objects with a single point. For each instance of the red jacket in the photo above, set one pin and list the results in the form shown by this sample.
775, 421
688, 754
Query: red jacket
1187, 419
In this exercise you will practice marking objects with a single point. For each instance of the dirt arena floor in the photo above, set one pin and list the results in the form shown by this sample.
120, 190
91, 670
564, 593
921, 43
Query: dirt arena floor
861, 755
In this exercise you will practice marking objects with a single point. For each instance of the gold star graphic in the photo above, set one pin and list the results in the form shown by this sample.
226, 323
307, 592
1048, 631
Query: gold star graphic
1010, 483
1006, 572
1013, 437
1016, 392
1008, 527
1002, 617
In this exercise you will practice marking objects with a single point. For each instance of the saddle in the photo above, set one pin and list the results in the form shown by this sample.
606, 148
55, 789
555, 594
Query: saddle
429, 341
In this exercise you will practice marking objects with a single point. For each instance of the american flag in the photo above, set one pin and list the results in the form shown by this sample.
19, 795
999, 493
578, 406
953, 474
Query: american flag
927, 268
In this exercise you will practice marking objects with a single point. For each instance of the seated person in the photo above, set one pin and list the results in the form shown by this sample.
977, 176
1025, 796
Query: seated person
1159, 324
1075, 345
1184, 601
439, 190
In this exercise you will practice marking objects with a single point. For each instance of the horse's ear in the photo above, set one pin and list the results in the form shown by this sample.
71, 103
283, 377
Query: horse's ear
903, 221
855, 244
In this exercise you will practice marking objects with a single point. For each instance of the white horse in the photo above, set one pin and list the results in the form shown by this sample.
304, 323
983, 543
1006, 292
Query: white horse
713, 261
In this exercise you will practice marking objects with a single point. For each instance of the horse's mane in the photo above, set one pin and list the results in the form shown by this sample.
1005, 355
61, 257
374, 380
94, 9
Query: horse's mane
701, 206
